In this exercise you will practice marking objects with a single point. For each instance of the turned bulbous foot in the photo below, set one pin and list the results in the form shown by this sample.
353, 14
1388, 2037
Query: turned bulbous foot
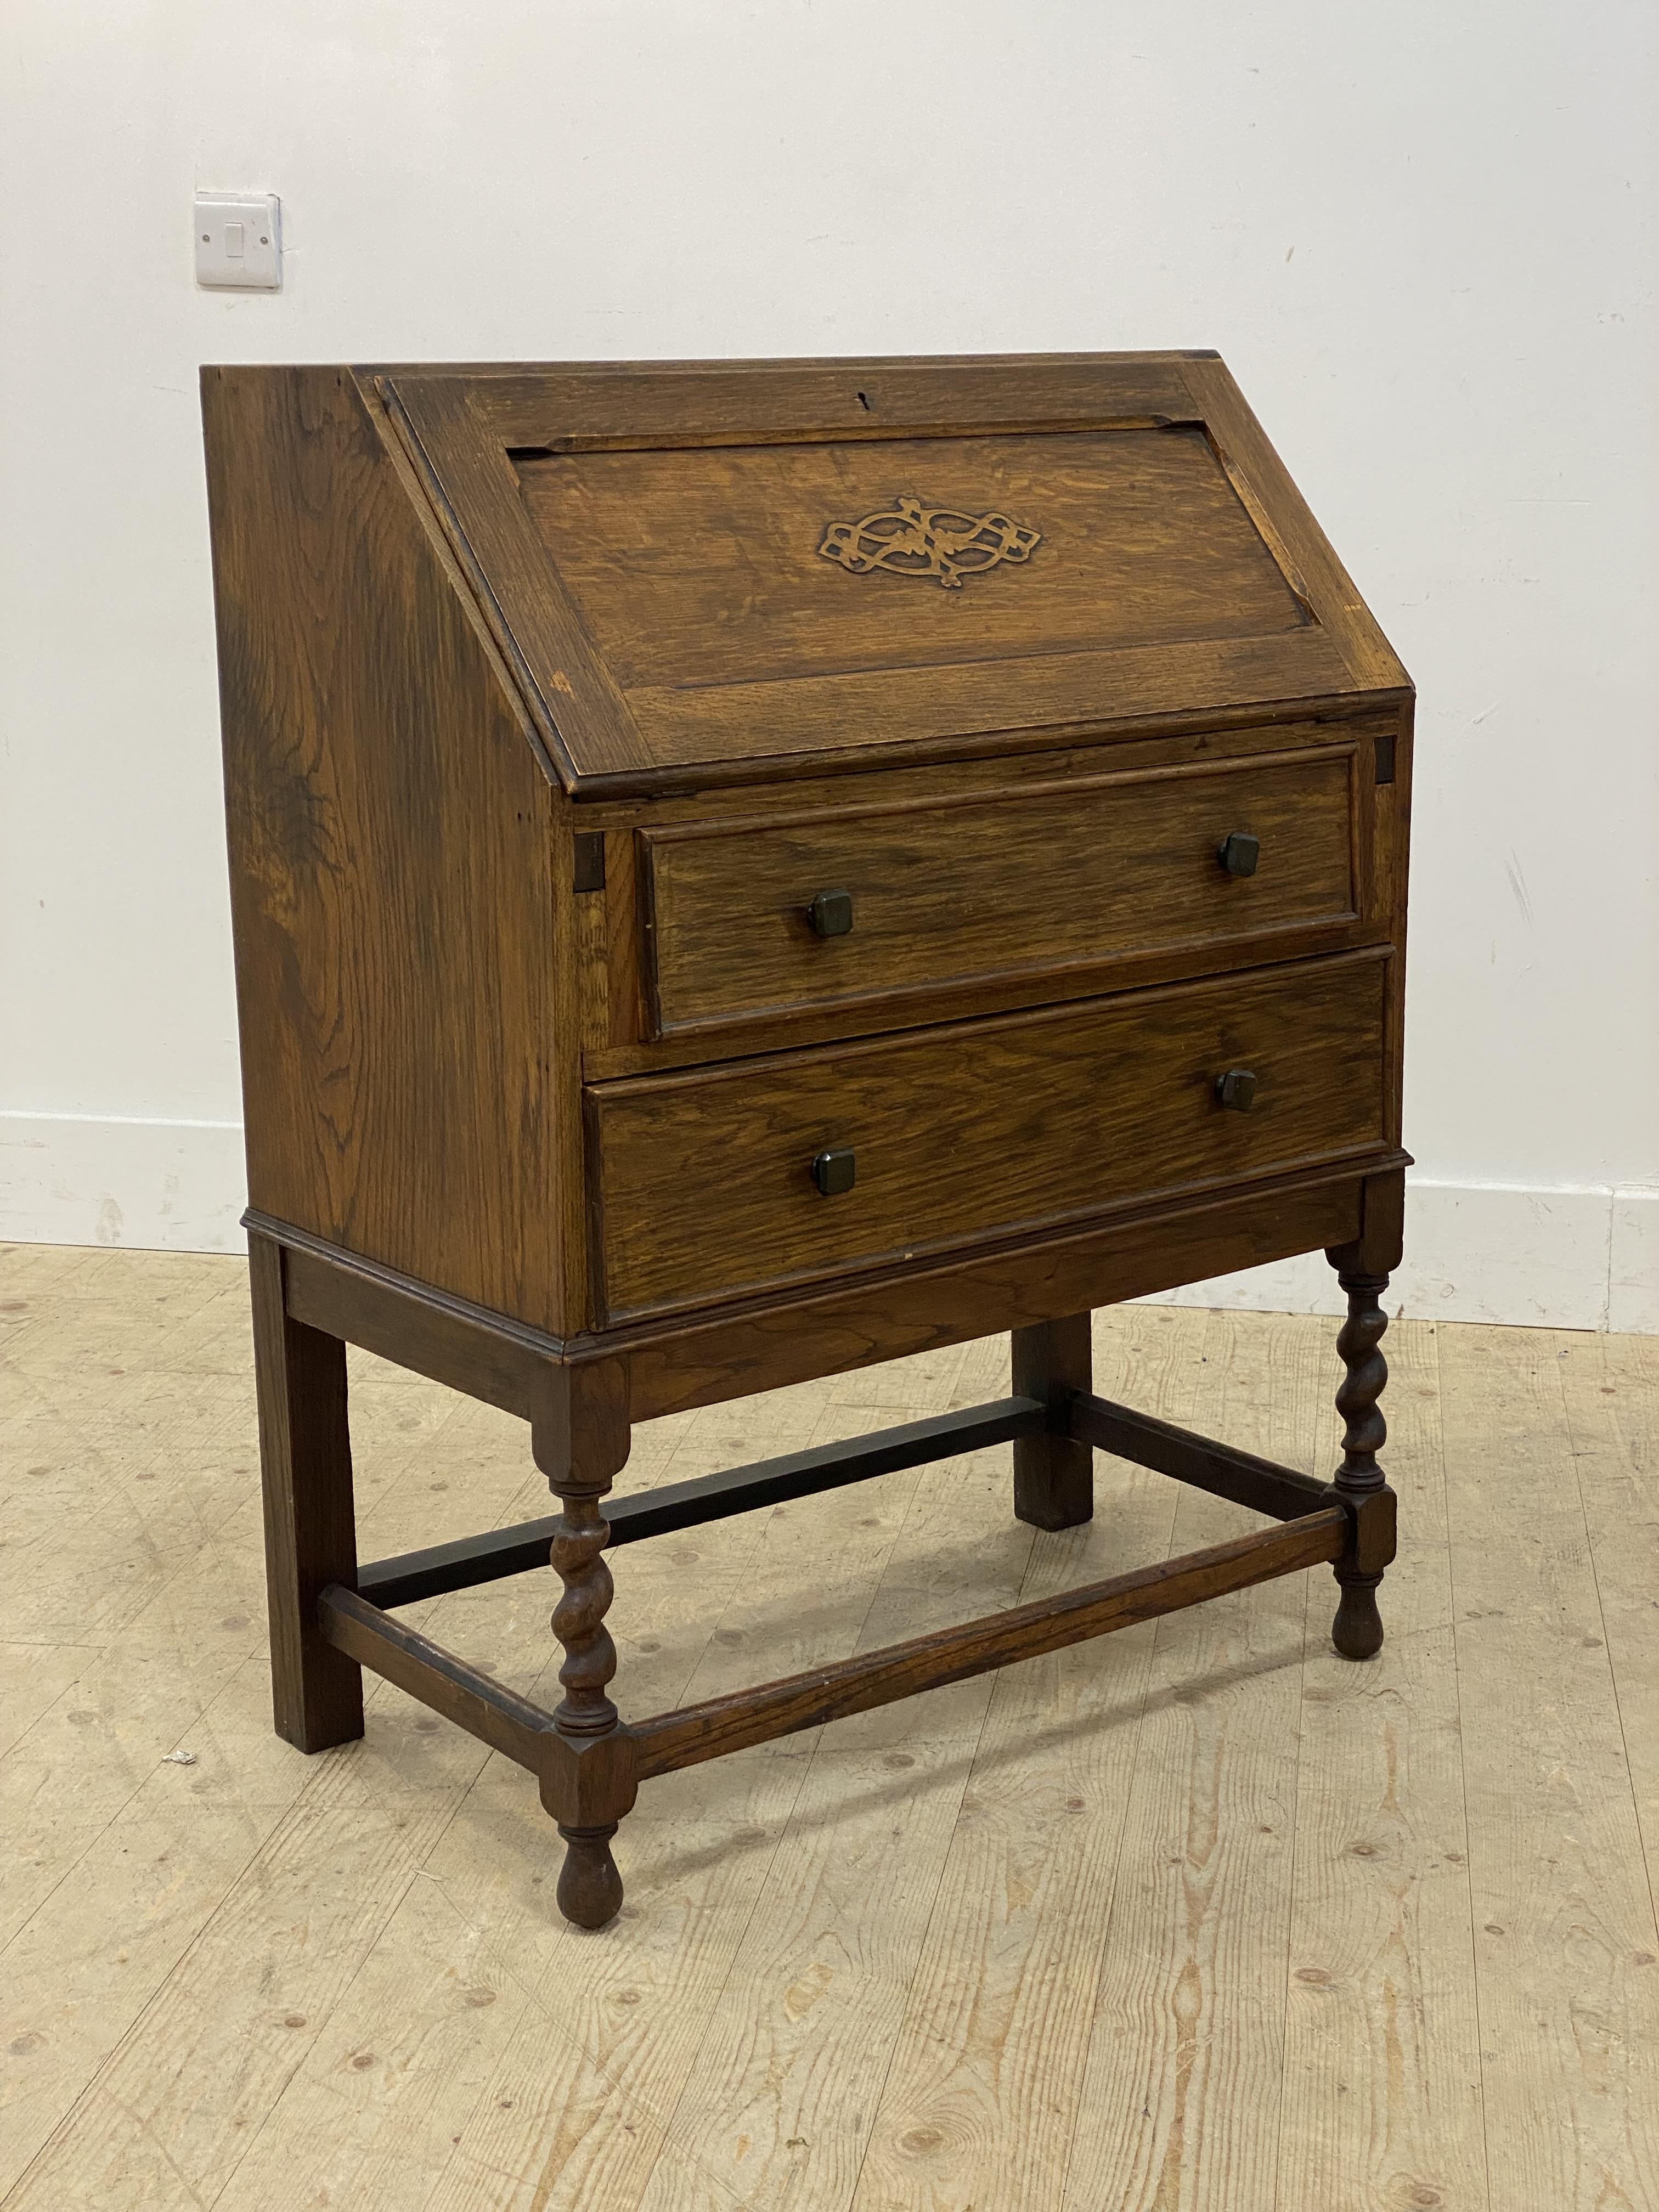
1357, 1632
589, 1891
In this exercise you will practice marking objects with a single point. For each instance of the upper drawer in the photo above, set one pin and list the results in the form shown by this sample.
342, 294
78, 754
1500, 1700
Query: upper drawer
992, 889
703, 1182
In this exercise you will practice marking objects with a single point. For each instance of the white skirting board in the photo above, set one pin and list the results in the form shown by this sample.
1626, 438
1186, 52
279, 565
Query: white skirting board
1559, 1259
1540, 1259
159, 1186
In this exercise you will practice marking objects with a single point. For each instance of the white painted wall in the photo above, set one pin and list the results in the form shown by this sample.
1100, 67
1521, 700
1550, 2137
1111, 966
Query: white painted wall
1422, 236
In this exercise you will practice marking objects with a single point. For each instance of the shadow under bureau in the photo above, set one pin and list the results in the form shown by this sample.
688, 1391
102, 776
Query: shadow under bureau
742, 870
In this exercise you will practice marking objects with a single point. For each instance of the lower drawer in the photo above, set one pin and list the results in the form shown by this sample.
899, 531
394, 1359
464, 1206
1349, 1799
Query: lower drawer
704, 1184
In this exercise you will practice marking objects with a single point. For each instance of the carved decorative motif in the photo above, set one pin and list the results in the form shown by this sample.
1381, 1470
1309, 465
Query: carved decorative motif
909, 539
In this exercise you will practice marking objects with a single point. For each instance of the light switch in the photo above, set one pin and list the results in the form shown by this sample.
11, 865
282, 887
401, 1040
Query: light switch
239, 241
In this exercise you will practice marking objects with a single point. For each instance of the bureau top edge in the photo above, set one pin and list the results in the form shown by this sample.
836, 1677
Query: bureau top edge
704, 571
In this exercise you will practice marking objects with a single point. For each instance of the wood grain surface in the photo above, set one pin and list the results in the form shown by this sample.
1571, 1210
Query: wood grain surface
1560, 1896
929, 712
1004, 889
703, 1183
1054, 1470
1266, 487
668, 1742
566, 406
394, 867
614, 923
696, 1360
646, 545
1142, 541
310, 1536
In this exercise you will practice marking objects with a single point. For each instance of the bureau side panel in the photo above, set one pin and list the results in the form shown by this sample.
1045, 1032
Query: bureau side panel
394, 863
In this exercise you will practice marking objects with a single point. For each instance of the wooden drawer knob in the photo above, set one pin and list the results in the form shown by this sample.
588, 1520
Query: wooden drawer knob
1237, 1088
831, 914
1239, 852
832, 1171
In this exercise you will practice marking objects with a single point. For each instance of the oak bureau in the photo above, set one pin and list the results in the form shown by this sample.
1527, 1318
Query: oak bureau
742, 870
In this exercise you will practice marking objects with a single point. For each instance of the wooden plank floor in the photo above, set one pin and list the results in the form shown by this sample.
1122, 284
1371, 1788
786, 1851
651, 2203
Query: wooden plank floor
1200, 1917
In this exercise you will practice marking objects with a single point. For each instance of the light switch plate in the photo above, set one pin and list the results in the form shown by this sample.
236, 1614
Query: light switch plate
239, 241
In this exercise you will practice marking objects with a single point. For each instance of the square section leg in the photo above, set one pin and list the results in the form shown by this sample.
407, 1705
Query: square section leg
311, 1534
1054, 1474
